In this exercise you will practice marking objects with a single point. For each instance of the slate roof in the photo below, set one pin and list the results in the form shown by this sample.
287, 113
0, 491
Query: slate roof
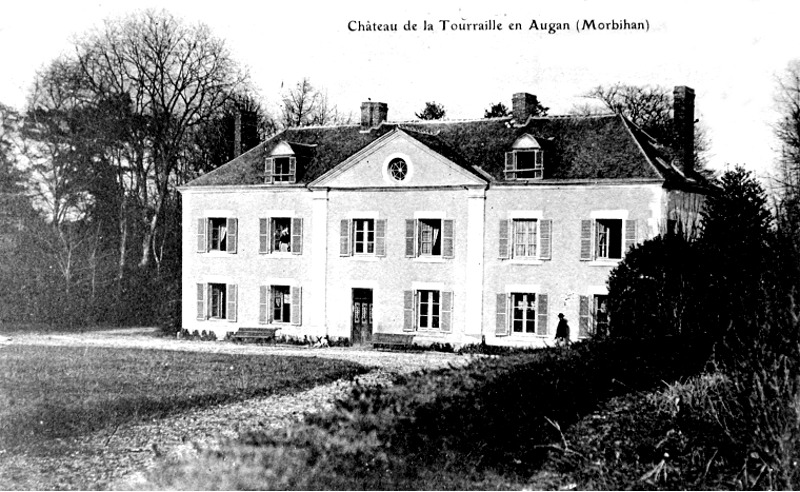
575, 148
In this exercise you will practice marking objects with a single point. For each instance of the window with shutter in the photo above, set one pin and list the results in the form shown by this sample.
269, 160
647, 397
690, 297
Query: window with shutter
344, 238
263, 236
202, 245
447, 311
523, 313
281, 300
448, 238
297, 236
408, 311
232, 226
297, 311
501, 310
263, 305
541, 321
232, 303
546, 239
631, 232
201, 301
217, 234
429, 309
380, 237
281, 229
586, 240
504, 242
411, 237
217, 304
364, 236
584, 325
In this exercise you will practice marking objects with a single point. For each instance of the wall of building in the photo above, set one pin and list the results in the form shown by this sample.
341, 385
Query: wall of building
247, 268
389, 276
564, 277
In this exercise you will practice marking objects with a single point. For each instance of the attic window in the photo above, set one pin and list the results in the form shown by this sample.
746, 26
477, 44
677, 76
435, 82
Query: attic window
525, 160
281, 165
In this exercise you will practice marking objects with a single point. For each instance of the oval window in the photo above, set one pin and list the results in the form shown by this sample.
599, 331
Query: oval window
398, 169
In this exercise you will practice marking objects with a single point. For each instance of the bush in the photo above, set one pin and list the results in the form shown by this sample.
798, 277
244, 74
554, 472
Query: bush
655, 291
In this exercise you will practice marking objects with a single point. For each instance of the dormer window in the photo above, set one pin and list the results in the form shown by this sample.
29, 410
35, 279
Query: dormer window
525, 160
281, 165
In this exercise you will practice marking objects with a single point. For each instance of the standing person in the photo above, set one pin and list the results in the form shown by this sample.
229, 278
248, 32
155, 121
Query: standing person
562, 330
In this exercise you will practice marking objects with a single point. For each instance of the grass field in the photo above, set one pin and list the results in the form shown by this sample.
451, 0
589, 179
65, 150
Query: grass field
57, 392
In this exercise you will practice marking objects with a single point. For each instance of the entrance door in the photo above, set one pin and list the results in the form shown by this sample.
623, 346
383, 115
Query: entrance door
361, 331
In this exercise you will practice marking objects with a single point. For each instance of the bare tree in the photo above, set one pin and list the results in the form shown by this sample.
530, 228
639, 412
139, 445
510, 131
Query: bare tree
176, 77
650, 108
787, 129
305, 105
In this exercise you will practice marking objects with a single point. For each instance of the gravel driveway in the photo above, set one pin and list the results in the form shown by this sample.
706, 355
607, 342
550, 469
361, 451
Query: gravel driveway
117, 459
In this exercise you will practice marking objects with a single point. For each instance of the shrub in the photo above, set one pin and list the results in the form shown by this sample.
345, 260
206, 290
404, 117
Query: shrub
654, 291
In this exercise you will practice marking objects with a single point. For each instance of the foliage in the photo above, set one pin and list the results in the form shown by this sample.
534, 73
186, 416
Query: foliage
432, 111
483, 421
496, 111
737, 246
54, 392
656, 290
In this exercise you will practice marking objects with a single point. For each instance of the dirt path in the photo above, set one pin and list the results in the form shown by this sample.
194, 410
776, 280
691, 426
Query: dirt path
118, 458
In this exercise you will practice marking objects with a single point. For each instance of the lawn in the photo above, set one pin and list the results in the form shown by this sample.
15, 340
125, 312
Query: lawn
58, 392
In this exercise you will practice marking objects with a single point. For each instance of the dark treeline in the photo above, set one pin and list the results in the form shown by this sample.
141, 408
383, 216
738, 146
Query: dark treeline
90, 213
90, 170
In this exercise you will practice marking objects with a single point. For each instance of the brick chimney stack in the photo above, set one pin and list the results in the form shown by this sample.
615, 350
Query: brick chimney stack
373, 114
683, 121
523, 106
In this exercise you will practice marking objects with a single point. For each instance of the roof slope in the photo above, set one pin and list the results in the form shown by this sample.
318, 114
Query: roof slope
575, 148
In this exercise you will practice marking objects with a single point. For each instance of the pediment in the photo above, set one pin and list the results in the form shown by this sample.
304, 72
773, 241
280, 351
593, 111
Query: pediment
398, 160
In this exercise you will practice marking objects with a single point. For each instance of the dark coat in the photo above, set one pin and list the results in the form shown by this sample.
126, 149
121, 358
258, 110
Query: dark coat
562, 330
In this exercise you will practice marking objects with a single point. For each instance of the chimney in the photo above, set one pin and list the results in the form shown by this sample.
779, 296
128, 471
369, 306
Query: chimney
237, 133
683, 121
373, 114
523, 106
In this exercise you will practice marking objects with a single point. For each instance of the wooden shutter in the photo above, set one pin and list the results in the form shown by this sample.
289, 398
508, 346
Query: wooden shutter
263, 236
631, 231
546, 239
231, 299
292, 170
297, 236
269, 165
201, 235
409, 323
263, 305
201, 302
380, 237
541, 316
505, 226
446, 312
411, 237
501, 326
586, 240
585, 317
296, 305
448, 238
232, 226
344, 238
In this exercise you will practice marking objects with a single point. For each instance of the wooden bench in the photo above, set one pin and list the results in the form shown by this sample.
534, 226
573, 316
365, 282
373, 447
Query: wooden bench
392, 341
255, 334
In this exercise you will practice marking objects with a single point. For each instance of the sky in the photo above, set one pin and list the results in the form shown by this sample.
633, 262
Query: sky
731, 53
